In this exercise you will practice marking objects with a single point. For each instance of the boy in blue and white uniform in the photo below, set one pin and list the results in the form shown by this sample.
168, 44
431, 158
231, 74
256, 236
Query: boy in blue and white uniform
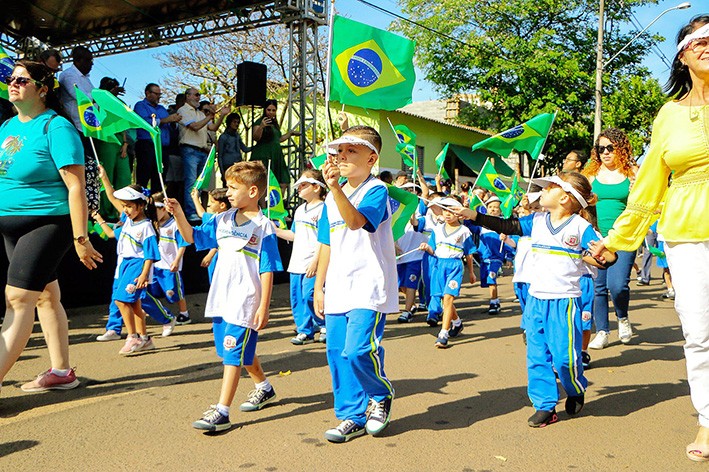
357, 270
240, 292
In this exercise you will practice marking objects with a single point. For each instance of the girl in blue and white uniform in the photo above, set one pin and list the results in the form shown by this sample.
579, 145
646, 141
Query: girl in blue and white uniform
137, 248
304, 257
552, 316
449, 243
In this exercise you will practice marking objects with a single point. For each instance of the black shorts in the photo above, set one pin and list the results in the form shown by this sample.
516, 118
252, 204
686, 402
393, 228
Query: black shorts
35, 245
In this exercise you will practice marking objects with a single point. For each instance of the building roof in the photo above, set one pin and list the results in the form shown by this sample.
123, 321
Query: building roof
435, 110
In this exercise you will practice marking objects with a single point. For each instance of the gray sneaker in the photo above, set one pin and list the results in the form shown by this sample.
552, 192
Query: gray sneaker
378, 415
345, 431
258, 399
625, 331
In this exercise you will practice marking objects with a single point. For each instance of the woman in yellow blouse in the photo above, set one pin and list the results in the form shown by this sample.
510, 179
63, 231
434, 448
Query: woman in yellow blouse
680, 146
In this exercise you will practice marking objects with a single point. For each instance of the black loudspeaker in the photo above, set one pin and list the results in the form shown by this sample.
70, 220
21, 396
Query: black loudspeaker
250, 84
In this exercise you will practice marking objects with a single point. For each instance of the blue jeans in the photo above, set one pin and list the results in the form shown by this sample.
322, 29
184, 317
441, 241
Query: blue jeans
615, 280
193, 162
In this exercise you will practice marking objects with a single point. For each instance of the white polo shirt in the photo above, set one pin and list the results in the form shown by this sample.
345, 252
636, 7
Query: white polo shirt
362, 269
305, 227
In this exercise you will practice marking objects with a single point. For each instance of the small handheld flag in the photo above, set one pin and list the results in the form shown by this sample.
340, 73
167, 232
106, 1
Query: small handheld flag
91, 117
489, 179
528, 137
202, 182
403, 206
6, 67
274, 200
441, 161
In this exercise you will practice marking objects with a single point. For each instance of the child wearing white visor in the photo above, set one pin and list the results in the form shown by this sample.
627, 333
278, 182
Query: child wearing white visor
561, 239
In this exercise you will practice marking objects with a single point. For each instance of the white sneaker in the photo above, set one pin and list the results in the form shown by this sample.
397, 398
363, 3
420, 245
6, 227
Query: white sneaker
600, 341
168, 328
109, 335
625, 331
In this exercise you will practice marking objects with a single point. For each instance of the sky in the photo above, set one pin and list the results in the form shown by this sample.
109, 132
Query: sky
140, 67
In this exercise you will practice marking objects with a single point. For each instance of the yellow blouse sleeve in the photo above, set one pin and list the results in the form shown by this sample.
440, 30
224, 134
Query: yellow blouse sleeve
630, 228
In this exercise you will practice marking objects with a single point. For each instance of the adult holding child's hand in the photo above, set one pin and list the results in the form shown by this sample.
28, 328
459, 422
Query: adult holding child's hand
679, 148
42, 208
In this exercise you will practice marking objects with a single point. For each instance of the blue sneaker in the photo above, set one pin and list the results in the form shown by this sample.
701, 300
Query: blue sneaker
405, 317
585, 359
212, 420
345, 431
442, 342
257, 399
455, 330
432, 320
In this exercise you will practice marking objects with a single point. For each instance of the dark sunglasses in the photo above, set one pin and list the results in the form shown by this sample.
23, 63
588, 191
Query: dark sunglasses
21, 81
602, 149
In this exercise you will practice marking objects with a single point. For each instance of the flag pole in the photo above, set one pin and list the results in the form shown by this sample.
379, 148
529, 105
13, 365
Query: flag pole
393, 130
328, 127
162, 182
268, 195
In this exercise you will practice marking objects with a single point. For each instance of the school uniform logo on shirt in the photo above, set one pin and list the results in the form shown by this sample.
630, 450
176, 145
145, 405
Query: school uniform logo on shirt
571, 240
253, 241
453, 284
229, 342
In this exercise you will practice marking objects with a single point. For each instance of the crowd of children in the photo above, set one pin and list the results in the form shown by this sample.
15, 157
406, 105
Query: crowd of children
344, 300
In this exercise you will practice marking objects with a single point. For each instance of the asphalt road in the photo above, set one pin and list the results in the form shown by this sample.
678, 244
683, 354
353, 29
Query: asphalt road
462, 409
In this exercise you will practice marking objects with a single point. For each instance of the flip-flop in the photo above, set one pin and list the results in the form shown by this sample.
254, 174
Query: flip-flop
698, 452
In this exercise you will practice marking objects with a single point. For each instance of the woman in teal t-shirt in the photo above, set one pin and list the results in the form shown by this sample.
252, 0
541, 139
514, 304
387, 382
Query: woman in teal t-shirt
611, 170
42, 203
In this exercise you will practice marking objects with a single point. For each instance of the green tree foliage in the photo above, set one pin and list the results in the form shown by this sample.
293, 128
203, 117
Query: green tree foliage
525, 57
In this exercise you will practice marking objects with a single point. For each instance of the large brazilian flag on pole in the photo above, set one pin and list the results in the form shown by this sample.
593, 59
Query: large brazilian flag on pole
371, 68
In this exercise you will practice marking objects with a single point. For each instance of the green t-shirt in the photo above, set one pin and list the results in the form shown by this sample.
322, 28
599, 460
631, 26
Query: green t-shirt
30, 160
612, 200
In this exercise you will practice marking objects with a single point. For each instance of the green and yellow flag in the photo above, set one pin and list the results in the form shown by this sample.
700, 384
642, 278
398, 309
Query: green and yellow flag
407, 153
405, 135
7, 65
403, 205
318, 161
474, 202
488, 178
371, 68
120, 117
274, 201
202, 182
513, 199
528, 137
441, 160
91, 117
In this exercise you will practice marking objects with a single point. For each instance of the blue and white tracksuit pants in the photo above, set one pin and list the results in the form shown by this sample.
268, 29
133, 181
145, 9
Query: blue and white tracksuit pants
356, 360
554, 337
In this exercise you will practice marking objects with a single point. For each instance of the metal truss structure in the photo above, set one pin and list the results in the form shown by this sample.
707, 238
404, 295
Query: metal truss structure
303, 23
112, 26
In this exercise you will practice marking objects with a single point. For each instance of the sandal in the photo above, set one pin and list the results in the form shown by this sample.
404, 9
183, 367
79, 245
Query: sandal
698, 452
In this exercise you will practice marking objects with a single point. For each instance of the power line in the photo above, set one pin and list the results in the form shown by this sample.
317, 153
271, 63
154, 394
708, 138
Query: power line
657, 50
420, 25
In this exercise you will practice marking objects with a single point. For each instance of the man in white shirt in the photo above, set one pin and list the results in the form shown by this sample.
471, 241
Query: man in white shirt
193, 142
78, 74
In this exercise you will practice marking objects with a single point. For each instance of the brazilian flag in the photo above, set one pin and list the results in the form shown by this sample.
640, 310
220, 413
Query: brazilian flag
528, 137
513, 199
403, 205
407, 153
318, 161
205, 176
91, 118
370, 68
489, 179
274, 201
474, 203
7, 65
